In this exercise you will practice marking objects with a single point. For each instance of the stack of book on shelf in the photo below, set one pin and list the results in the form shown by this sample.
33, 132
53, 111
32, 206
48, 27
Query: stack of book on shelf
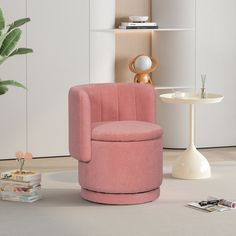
21, 187
138, 25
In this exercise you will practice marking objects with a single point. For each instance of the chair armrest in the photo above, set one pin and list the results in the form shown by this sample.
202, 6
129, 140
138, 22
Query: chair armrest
79, 124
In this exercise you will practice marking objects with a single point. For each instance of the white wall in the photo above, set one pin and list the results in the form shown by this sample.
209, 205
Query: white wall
13, 104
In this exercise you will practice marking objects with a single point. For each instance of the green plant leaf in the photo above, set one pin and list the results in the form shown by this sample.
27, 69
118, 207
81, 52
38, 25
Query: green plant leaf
2, 20
10, 42
3, 89
18, 23
2, 59
11, 83
20, 51
2, 37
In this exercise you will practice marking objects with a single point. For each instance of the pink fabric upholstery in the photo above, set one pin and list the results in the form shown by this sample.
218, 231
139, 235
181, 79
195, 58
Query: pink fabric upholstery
123, 167
79, 124
112, 132
119, 199
124, 131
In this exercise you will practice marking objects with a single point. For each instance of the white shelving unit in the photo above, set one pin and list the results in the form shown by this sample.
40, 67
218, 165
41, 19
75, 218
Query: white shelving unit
38, 120
152, 30
142, 30
173, 44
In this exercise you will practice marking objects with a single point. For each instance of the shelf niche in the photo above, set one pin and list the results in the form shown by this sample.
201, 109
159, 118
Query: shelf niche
130, 45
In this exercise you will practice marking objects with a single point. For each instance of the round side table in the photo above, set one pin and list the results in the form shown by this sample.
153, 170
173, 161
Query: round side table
191, 164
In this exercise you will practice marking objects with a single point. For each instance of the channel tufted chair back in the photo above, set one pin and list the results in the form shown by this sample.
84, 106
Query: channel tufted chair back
116, 102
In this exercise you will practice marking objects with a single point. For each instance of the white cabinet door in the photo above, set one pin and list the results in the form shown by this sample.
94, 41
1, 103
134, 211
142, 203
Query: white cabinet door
13, 104
59, 34
102, 42
216, 53
175, 52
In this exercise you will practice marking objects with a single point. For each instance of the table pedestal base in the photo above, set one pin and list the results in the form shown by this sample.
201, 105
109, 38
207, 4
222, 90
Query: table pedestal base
191, 165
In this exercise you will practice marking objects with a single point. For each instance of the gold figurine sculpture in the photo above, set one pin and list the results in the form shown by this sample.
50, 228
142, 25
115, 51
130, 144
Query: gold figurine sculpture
142, 66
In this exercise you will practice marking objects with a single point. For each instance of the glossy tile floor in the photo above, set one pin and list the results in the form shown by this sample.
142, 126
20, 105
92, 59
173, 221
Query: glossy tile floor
68, 163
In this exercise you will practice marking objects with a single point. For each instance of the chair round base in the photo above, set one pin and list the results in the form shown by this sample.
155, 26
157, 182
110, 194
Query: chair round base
119, 198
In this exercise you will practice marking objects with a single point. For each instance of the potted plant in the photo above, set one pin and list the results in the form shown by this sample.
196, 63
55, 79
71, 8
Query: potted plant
9, 37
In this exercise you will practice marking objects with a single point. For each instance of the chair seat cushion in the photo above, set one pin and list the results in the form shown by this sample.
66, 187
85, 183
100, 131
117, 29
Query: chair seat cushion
125, 131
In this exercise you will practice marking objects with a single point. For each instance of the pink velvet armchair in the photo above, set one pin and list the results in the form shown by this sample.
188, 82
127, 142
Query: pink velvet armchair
114, 136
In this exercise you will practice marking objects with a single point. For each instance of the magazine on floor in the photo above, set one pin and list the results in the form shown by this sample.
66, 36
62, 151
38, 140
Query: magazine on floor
213, 204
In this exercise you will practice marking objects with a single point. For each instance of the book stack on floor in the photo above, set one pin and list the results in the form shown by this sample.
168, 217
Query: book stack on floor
21, 187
